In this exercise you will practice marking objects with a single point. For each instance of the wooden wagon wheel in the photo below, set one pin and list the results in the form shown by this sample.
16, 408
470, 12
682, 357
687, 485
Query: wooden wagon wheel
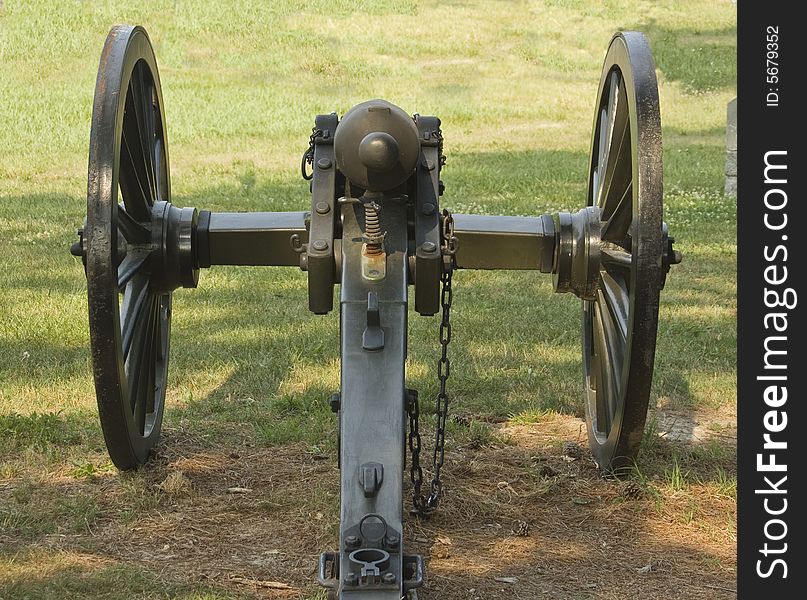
625, 182
124, 246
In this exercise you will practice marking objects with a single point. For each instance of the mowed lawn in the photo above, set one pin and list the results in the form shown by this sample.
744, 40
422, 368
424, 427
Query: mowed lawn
514, 84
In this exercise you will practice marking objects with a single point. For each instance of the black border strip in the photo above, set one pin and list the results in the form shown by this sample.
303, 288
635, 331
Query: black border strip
770, 324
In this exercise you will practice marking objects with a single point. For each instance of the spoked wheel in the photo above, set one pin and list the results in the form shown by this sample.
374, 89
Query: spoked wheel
625, 182
126, 247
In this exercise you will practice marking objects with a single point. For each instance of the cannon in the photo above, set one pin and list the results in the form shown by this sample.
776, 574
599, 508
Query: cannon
376, 227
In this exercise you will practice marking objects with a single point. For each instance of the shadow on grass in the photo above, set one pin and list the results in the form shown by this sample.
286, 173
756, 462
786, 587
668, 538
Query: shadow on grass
29, 362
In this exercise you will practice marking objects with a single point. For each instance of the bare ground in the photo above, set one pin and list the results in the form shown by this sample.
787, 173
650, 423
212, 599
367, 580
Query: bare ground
524, 517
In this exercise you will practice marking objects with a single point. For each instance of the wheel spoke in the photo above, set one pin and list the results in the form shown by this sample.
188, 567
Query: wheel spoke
608, 116
132, 179
603, 120
594, 368
134, 301
615, 259
152, 148
129, 267
616, 172
617, 224
159, 180
607, 390
614, 346
139, 408
164, 327
615, 293
144, 114
140, 372
597, 386
154, 357
613, 340
136, 172
134, 231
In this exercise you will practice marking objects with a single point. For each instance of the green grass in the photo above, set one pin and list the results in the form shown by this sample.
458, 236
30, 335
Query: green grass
514, 85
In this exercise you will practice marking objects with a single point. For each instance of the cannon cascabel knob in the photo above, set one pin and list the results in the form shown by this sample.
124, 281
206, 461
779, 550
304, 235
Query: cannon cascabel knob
378, 151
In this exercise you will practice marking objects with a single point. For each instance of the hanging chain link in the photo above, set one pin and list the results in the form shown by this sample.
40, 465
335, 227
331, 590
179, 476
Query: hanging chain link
415, 470
423, 505
308, 155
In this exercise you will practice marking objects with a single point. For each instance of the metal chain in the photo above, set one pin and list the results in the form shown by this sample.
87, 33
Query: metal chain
308, 155
424, 505
415, 470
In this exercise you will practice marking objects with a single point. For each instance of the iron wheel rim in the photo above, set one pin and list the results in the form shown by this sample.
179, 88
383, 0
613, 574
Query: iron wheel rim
130, 317
619, 327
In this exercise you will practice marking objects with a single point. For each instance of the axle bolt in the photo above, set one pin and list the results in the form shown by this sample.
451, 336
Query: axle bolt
393, 541
389, 578
429, 246
352, 541
320, 245
323, 208
324, 163
351, 579
427, 209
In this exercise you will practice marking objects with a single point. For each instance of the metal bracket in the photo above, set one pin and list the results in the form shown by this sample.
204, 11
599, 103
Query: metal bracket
371, 476
373, 337
413, 571
320, 261
328, 572
427, 219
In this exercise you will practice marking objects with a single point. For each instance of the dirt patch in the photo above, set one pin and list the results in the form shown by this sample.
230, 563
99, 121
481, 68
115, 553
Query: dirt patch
523, 518
690, 427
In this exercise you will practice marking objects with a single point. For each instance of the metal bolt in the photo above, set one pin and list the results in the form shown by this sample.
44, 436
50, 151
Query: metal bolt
351, 579
429, 246
320, 245
324, 163
323, 208
389, 578
352, 541
393, 541
429, 165
427, 209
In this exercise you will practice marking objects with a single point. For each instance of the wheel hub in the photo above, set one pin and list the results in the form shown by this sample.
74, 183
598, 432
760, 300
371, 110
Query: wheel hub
577, 252
173, 235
